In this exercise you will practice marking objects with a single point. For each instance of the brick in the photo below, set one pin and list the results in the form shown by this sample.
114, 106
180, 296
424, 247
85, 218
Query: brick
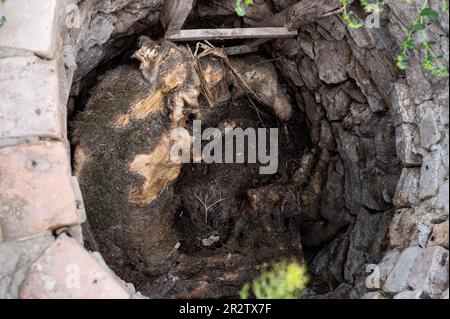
16, 257
31, 25
30, 99
67, 270
36, 191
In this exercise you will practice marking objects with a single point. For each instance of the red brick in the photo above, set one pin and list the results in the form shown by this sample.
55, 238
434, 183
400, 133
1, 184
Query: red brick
36, 191
30, 100
67, 270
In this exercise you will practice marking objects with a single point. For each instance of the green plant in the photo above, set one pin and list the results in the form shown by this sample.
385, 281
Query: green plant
241, 5
431, 61
283, 280
2, 18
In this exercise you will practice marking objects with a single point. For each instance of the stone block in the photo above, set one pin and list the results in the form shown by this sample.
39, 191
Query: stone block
36, 191
31, 25
67, 270
30, 99
15, 259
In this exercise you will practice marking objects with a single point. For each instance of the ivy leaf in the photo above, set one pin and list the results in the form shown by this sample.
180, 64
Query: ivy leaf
418, 26
431, 14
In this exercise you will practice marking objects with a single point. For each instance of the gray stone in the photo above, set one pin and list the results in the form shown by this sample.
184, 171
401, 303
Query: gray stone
109, 6
308, 71
374, 295
430, 272
429, 124
432, 175
411, 294
15, 259
405, 136
331, 60
421, 88
403, 106
397, 280
442, 197
334, 26
365, 83
401, 228
363, 37
336, 102
407, 192
31, 26
290, 70
100, 29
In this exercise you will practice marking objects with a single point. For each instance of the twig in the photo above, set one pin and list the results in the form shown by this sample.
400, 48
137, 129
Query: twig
205, 205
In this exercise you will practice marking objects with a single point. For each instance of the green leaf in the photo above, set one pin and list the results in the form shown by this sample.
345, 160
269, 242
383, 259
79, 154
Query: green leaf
418, 26
408, 44
431, 14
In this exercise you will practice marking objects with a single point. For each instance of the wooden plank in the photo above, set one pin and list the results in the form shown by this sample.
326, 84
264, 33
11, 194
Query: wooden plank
225, 34
174, 13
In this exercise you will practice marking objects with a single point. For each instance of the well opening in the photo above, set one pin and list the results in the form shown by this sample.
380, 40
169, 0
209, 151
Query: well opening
211, 227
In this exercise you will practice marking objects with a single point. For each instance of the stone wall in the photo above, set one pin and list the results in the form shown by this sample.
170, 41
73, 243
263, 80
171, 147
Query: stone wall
383, 132
41, 209
387, 133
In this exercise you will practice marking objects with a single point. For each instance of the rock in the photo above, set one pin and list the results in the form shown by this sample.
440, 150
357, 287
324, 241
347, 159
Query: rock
365, 83
363, 37
383, 269
66, 270
405, 138
442, 198
109, 6
369, 231
290, 70
432, 175
439, 236
407, 192
412, 294
15, 259
445, 295
32, 26
417, 81
404, 108
430, 271
331, 60
401, 228
397, 280
306, 43
25, 80
334, 26
308, 71
336, 102
429, 124
374, 295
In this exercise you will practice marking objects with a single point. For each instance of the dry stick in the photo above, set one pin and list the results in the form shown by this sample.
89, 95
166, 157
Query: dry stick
206, 207
204, 84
